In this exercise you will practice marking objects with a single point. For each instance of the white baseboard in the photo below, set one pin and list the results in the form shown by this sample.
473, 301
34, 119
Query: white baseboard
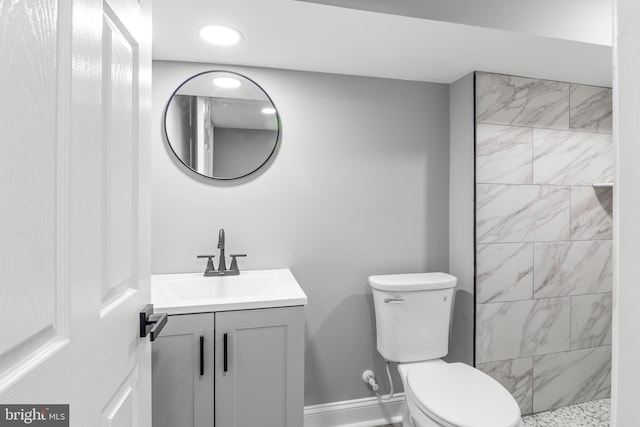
366, 412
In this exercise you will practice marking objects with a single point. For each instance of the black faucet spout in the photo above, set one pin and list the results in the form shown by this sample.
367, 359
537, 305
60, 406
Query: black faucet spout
221, 239
222, 266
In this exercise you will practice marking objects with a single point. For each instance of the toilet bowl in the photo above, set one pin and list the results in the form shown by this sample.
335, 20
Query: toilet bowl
440, 394
413, 314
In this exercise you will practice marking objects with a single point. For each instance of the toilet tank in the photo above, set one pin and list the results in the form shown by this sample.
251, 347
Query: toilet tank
413, 313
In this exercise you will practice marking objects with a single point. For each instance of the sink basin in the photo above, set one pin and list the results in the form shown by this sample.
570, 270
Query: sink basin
194, 293
198, 288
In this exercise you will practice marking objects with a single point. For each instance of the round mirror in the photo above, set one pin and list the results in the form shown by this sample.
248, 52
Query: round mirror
221, 125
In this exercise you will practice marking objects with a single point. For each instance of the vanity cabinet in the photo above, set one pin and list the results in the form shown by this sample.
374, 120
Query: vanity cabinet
255, 379
182, 393
263, 384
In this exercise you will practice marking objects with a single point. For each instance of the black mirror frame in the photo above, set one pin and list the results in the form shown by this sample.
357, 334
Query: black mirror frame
166, 136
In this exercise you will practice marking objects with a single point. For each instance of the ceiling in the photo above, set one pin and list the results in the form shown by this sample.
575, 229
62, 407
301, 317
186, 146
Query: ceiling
588, 21
423, 40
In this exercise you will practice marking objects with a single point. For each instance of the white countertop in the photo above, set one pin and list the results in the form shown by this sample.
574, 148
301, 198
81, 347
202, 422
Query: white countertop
193, 293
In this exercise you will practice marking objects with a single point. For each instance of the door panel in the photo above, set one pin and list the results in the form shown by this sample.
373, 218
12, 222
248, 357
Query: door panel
32, 189
124, 406
261, 383
120, 145
74, 218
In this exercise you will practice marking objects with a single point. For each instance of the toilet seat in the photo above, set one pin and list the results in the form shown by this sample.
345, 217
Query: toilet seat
457, 395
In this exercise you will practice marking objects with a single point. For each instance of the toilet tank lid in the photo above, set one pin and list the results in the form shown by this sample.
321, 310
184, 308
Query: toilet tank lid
412, 282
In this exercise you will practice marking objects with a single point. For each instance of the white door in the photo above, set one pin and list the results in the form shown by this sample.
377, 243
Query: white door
74, 209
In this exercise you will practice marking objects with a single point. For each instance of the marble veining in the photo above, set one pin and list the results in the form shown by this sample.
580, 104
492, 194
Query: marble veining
591, 320
504, 272
572, 268
511, 330
503, 154
520, 101
562, 379
591, 213
572, 158
521, 213
543, 238
516, 376
591, 108
595, 413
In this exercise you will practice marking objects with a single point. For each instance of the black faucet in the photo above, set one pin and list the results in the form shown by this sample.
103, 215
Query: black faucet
222, 266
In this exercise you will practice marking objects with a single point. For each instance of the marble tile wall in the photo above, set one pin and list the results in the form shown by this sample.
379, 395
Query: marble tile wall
543, 239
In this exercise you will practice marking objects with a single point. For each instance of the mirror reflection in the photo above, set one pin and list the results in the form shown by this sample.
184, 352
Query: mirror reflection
221, 125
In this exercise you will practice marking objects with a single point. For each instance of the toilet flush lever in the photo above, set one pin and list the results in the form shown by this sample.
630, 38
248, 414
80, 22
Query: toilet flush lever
394, 300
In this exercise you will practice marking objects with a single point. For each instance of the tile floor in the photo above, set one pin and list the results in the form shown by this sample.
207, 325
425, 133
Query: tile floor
588, 414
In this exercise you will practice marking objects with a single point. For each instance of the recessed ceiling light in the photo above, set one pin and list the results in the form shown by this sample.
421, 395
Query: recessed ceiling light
227, 82
220, 34
268, 111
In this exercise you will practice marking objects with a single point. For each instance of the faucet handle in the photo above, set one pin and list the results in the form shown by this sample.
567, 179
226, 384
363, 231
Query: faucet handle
210, 266
234, 262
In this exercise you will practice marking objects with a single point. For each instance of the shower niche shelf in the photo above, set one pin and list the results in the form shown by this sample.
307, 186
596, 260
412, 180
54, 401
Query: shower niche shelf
602, 185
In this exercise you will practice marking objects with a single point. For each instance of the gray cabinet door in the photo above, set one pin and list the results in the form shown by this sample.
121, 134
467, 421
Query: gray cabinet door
181, 396
263, 384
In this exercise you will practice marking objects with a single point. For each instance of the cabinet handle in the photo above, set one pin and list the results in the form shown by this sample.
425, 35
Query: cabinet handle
224, 355
201, 355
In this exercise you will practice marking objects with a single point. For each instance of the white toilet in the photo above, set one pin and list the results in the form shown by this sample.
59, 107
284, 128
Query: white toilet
413, 313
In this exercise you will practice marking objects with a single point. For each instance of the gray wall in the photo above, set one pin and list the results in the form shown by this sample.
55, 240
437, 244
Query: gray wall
461, 218
626, 211
544, 233
359, 186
